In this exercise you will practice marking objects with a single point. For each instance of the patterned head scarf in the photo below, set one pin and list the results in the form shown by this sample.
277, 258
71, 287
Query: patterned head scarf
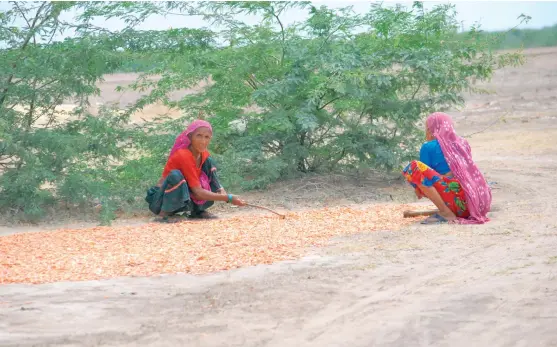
458, 154
183, 140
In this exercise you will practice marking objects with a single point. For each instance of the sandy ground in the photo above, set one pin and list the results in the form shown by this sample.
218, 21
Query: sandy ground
489, 285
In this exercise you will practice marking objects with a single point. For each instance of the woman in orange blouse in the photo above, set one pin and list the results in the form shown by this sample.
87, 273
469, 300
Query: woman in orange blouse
189, 180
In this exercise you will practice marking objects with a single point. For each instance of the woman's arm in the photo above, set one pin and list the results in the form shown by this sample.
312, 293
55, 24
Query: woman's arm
159, 183
210, 166
186, 165
203, 194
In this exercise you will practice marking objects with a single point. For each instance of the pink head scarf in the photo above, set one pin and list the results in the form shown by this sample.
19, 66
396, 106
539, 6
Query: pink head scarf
458, 154
183, 140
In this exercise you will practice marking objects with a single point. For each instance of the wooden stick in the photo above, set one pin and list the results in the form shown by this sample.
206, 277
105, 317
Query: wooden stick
415, 213
268, 209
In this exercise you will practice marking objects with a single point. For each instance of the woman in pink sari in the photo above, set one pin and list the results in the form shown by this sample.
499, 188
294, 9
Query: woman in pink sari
189, 180
447, 175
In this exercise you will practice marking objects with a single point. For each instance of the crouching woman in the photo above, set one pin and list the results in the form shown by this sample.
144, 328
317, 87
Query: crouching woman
447, 175
189, 181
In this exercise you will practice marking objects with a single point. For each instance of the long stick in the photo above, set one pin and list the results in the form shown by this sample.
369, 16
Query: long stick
268, 209
415, 213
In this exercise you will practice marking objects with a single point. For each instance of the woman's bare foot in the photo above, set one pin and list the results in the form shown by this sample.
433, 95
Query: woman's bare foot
169, 219
439, 218
203, 215
448, 215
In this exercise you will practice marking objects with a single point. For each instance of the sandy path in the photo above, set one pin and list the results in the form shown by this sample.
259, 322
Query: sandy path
490, 285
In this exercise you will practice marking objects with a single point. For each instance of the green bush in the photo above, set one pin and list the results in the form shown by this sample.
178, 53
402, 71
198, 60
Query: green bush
523, 38
49, 154
339, 90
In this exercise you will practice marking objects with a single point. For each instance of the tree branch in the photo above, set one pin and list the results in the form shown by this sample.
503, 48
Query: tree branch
323, 136
282, 33
22, 13
28, 38
328, 103
34, 26
340, 157
331, 34
251, 81
417, 90
47, 84
30, 120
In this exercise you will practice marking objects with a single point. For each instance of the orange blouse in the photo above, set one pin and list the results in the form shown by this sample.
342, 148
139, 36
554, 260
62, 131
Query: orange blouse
184, 161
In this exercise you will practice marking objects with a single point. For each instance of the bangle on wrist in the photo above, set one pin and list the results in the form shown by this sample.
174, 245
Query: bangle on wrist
229, 198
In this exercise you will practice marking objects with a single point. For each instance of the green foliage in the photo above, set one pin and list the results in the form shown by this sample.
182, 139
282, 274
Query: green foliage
501, 40
143, 50
340, 90
524, 38
49, 154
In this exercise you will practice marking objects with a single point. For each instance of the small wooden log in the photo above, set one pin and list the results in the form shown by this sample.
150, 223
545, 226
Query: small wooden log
281, 216
416, 213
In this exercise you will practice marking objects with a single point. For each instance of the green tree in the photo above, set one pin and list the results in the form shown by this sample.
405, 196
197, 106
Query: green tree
51, 154
48, 153
338, 91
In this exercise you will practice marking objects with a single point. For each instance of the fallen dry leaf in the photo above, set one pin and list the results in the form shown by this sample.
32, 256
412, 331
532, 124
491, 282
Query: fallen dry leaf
189, 247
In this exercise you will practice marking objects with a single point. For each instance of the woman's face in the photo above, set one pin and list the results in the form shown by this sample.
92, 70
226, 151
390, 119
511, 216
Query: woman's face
428, 135
200, 139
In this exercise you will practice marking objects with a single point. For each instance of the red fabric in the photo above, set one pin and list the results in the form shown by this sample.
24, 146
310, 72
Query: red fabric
458, 154
419, 174
184, 161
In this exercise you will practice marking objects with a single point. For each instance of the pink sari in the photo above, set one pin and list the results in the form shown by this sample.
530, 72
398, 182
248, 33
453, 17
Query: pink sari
458, 154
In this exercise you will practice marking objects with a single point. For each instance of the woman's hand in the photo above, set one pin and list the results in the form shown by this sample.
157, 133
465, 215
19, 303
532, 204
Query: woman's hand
202, 194
419, 193
160, 182
237, 201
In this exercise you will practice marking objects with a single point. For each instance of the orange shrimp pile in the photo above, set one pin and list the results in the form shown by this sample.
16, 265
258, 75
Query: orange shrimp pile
194, 247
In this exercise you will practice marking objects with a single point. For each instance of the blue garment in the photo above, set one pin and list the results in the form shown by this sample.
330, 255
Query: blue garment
432, 155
